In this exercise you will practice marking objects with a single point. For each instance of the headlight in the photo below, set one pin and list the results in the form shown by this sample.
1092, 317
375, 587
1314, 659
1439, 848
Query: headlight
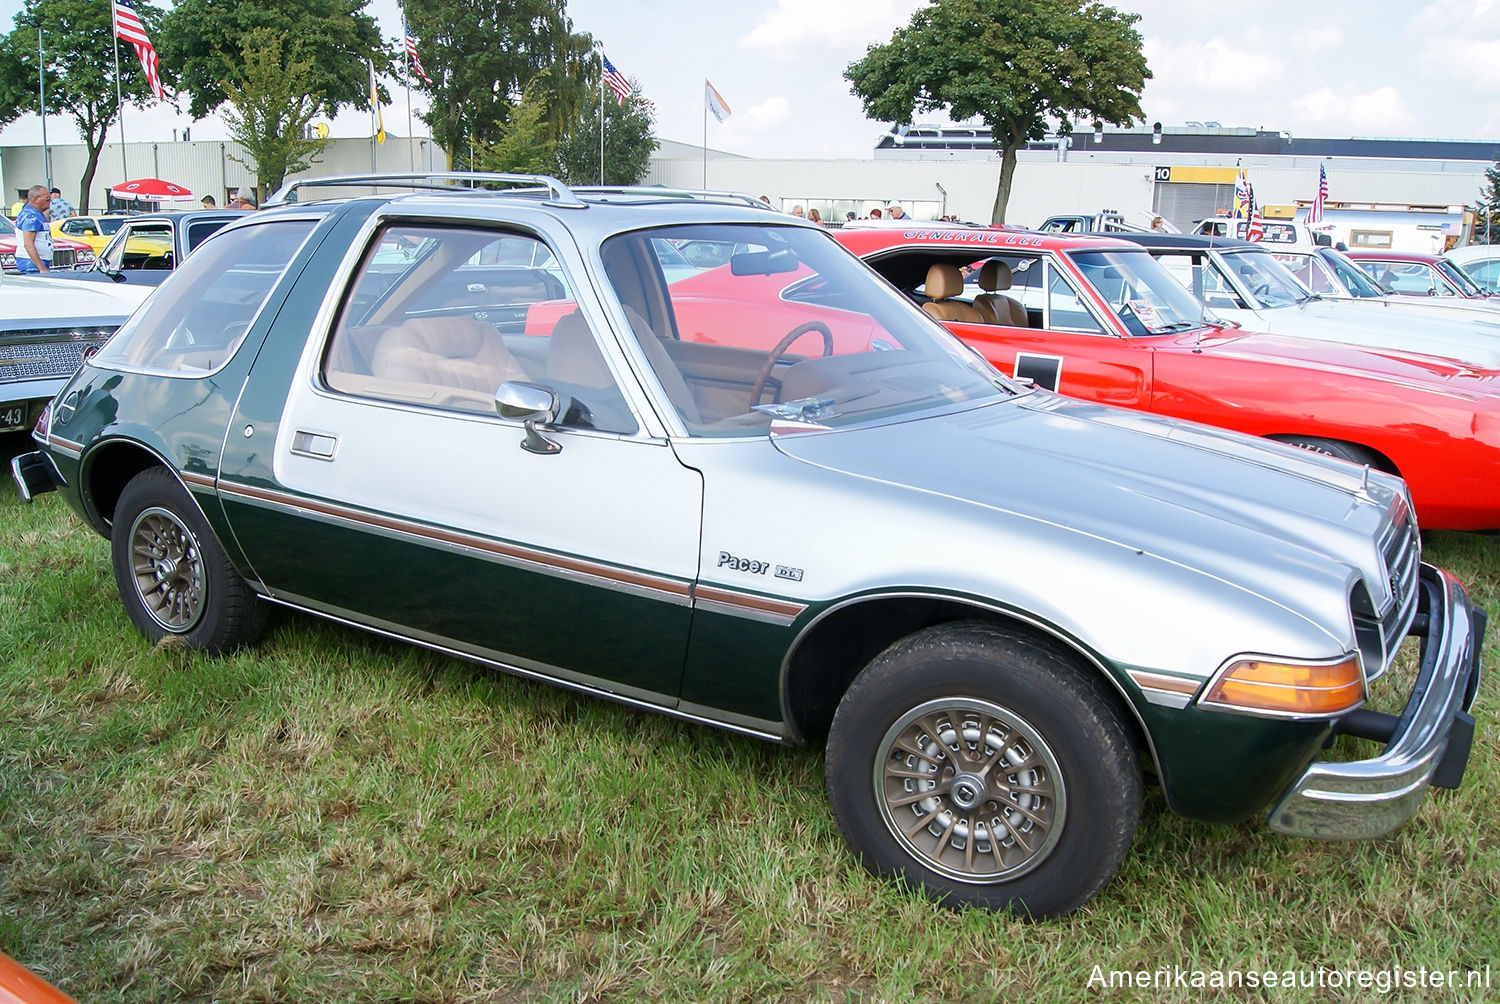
7, 260
1280, 687
85, 255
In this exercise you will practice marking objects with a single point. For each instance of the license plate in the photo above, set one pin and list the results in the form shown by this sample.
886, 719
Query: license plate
13, 418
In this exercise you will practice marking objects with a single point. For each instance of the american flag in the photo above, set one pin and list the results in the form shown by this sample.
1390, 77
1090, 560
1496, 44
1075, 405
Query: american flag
1315, 213
616, 80
1256, 230
129, 27
411, 51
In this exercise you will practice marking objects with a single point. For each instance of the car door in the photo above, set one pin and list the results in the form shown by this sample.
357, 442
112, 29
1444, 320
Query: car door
1075, 349
402, 501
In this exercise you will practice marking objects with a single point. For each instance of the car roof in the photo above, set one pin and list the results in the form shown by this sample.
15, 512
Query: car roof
1382, 255
187, 215
1472, 252
1194, 242
983, 241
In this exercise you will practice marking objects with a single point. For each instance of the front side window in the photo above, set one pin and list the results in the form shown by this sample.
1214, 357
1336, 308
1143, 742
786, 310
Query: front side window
1066, 310
1350, 274
198, 317
1485, 273
1457, 277
140, 245
788, 326
440, 317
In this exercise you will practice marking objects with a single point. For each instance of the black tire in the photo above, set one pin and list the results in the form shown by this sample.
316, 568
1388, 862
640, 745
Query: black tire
173, 577
1334, 448
1042, 841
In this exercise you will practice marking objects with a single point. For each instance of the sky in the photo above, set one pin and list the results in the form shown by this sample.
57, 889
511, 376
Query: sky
1338, 68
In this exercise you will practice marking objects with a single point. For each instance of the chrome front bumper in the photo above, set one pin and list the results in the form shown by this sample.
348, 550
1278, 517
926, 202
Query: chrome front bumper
34, 475
1429, 744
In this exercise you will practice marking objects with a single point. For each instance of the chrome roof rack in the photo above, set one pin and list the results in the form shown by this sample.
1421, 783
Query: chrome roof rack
673, 193
441, 181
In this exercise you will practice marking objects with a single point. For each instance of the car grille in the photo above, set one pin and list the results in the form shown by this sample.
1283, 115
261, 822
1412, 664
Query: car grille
36, 355
1401, 547
62, 258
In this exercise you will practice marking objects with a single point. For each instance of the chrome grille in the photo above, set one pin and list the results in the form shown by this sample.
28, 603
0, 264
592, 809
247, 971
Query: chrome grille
62, 258
1401, 548
36, 355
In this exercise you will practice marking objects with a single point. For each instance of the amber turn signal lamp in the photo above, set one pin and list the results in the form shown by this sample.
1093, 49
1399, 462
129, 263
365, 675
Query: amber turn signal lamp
1289, 688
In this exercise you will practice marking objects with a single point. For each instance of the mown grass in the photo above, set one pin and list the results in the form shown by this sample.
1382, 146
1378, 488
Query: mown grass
333, 817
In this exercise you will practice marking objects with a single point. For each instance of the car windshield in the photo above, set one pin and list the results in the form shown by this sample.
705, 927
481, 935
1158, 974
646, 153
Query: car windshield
1354, 278
1143, 294
1266, 280
1459, 278
109, 224
788, 328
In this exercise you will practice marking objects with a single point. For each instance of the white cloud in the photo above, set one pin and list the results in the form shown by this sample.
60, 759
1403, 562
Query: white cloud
1330, 112
796, 29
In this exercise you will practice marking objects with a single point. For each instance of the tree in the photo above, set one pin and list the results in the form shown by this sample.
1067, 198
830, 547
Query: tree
270, 107
78, 46
523, 145
482, 55
1014, 64
204, 41
628, 143
1487, 209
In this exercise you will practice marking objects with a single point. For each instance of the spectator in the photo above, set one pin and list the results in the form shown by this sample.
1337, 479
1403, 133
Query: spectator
849, 216
815, 216
896, 212
61, 208
242, 201
34, 256
209, 202
15, 210
1157, 223
766, 199
875, 214
797, 210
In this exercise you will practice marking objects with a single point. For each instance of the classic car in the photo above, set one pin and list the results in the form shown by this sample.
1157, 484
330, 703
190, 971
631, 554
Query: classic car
1276, 234
149, 246
1411, 273
67, 253
1330, 273
19, 985
1002, 607
95, 231
1100, 319
1243, 283
1480, 262
47, 327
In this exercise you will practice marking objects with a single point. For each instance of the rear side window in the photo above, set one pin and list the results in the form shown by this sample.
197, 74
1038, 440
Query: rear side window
197, 318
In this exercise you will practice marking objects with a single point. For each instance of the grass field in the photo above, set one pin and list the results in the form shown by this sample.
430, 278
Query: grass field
333, 817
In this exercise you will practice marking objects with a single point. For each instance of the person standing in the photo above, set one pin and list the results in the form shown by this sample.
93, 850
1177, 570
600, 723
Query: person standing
61, 208
209, 203
34, 256
895, 212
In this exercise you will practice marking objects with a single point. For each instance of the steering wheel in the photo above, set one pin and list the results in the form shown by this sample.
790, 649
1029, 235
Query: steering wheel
1262, 291
759, 386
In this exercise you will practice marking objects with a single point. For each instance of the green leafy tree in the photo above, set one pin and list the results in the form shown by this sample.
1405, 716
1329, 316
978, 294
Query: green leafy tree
269, 109
628, 143
1487, 209
78, 49
523, 145
205, 41
1014, 64
482, 55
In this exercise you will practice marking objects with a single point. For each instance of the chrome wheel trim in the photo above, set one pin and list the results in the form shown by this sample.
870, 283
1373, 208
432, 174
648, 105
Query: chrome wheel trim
970, 790
166, 566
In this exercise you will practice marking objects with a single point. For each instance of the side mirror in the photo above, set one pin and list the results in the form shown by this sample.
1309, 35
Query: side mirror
529, 403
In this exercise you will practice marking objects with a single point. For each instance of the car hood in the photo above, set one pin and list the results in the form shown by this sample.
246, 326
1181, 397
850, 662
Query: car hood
38, 301
1210, 499
1470, 336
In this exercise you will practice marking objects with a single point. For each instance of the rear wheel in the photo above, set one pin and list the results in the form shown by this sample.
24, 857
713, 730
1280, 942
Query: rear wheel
173, 577
984, 769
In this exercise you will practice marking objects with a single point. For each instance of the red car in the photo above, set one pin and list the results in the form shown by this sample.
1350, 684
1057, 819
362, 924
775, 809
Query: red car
1411, 273
67, 253
1097, 318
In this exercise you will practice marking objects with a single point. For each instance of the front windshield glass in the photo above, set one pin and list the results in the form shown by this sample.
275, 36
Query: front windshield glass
1266, 280
788, 328
1142, 293
1354, 278
110, 224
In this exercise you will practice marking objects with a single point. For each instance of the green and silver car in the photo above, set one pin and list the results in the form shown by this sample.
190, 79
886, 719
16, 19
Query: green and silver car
773, 497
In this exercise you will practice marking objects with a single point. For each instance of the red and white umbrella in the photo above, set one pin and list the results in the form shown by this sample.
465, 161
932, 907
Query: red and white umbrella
150, 190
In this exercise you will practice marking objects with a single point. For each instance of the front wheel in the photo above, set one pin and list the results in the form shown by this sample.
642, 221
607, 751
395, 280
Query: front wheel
173, 577
1351, 452
985, 769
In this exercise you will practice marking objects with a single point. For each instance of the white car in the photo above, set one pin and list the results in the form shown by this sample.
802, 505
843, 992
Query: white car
47, 328
1480, 262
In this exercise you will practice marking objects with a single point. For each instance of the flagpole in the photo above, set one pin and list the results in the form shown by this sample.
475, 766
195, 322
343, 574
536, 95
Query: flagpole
601, 117
411, 153
114, 24
705, 136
